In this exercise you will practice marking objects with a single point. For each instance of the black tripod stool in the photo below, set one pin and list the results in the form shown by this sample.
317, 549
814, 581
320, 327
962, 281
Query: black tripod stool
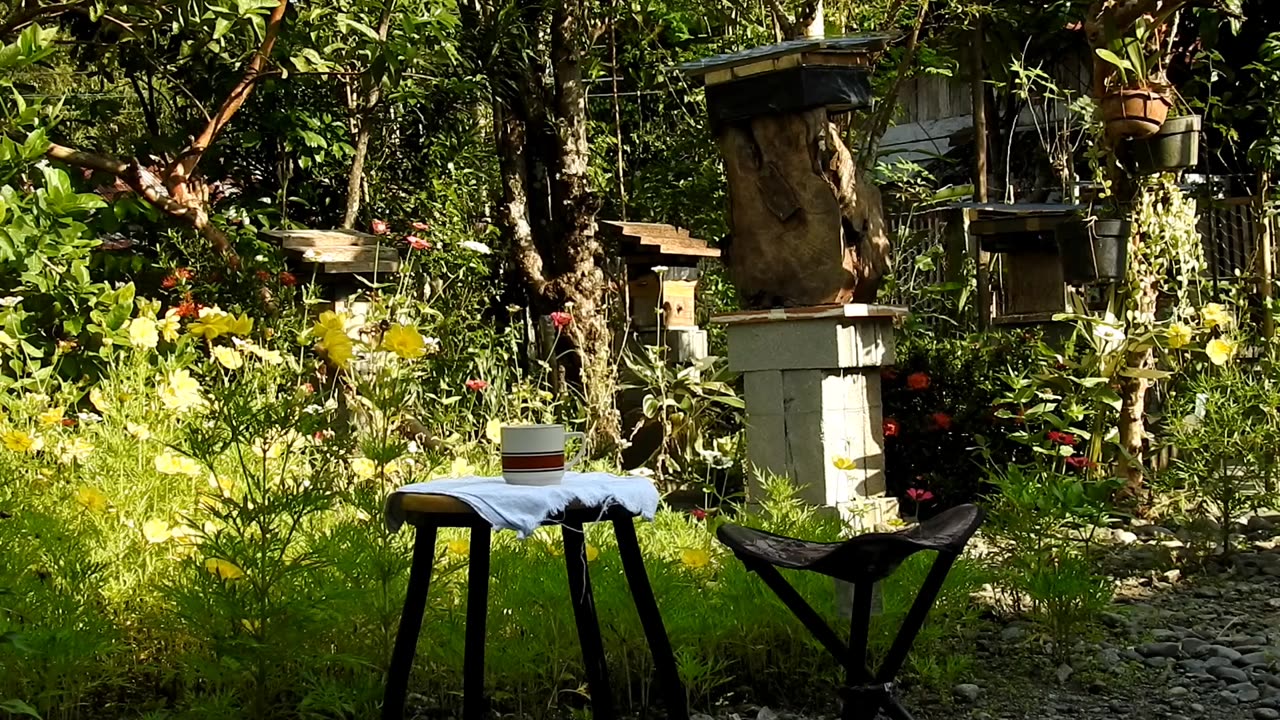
862, 561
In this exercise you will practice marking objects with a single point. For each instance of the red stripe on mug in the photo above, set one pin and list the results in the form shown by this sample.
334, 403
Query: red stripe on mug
550, 461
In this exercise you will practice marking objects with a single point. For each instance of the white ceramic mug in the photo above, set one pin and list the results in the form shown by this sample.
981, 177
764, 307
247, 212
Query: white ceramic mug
534, 454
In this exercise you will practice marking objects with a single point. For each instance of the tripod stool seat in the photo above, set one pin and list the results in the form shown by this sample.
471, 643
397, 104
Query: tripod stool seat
869, 557
862, 561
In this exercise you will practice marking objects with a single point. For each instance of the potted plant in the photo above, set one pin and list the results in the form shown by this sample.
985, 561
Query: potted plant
1098, 251
1137, 101
1174, 146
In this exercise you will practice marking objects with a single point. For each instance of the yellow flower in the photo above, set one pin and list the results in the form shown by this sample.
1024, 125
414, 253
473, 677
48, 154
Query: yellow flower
459, 547
91, 499
20, 442
1220, 351
1215, 315
240, 325
364, 468
184, 534
139, 432
170, 326
338, 347
592, 553
144, 333
224, 569
156, 531
1179, 336
843, 463
168, 463
211, 324
228, 358
404, 341
270, 357
222, 484
181, 392
75, 450
695, 559
329, 321
52, 416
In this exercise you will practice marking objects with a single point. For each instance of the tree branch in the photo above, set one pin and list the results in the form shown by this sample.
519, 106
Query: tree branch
24, 15
190, 157
884, 114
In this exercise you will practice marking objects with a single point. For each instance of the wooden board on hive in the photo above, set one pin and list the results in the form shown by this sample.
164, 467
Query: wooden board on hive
333, 252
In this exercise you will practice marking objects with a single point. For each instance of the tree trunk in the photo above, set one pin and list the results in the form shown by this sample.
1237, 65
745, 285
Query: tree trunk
1133, 407
364, 127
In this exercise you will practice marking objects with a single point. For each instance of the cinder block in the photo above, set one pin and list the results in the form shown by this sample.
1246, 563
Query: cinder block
824, 344
763, 392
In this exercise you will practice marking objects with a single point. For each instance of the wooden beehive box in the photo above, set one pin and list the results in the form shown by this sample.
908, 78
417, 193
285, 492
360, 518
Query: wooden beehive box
645, 246
1030, 284
336, 252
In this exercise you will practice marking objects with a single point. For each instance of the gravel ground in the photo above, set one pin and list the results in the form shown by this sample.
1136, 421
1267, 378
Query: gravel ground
1177, 645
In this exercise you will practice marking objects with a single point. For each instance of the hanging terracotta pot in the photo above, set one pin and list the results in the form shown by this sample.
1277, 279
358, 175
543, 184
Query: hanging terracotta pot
1134, 112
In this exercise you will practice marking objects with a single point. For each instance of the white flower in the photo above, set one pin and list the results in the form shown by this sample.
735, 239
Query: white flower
432, 344
89, 418
10, 301
659, 269
476, 246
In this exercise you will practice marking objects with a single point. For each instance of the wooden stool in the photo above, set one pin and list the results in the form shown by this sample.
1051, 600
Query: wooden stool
428, 513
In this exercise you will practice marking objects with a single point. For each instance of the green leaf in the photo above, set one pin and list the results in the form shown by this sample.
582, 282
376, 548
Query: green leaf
17, 707
1148, 374
1114, 59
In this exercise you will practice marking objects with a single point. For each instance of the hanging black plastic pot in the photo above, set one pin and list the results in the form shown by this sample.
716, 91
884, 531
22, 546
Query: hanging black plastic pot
1175, 146
1099, 252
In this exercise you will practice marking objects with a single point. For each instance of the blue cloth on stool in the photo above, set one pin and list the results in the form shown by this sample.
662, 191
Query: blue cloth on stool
524, 508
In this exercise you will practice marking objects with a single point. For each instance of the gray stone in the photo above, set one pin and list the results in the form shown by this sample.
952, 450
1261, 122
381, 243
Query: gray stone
1245, 692
1160, 649
1013, 633
1124, 537
766, 714
1131, 654
967, 692
1166, 635
1226, 697
1254, 658
1196, 708
1158, 663
1215, 662
1225, 652
1178, 691
1108, 658
1194, 647
1230, 674
1116, 620
1266, 714
1064, 672
1190, 666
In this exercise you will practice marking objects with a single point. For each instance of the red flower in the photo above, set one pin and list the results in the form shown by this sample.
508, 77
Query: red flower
420, 226
698, 514
322, 435
1081, 462
169, 282
891, 428
919, 495
417, 243
1061, 438
918, 381
941, 420
68, 422
475, 385
888, 374
561, 320
380, 227
184, 273
308, 388
288, 279
263, 276
189, 308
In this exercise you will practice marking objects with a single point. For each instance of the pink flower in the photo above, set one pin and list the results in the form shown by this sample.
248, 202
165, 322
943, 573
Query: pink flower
420, 226
561, 320
1061, 438
698, 514
380, 227
288, 279
941, 420
918, 381
417, 243
308, 388
1081, 462
475, 385
919, 495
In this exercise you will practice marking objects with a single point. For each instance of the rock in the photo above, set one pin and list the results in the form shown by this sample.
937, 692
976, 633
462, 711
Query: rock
1216, 662
1131, 654
1124, 537
1064, 672
1224, 652
1230, 674
1166, 635
1206, 592
1259, 523
1013, 633
968, 692
1244, 692
1160, 649
1116, 620
700, 716
1159, 663
1193, 647
1254, 658
1191, 667
1178, 691
1108, 658
766, 714
1266, 714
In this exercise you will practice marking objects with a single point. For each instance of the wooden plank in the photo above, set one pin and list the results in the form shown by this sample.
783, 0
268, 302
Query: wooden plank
348, 254
302, 238
646, 229
840, 59
367, 266
1034, 284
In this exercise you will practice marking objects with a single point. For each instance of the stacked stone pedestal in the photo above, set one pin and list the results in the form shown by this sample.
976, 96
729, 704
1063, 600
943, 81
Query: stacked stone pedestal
814, 411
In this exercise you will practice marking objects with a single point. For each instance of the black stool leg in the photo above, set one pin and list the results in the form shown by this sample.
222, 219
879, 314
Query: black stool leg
584, 614
473, 704
415, 603
664, 660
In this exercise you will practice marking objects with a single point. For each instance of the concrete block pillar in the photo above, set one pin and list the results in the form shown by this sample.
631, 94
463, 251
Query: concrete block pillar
812, 378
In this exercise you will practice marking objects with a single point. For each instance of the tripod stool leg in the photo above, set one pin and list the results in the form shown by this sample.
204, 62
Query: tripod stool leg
415, 604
